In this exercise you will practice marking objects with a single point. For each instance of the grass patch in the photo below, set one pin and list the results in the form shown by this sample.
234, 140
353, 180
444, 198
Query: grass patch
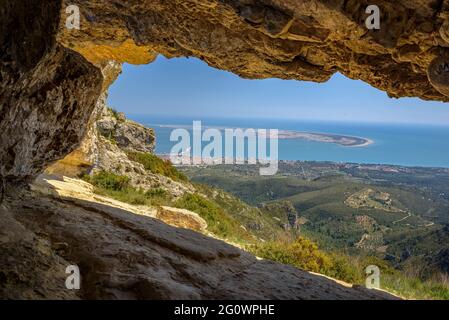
218, 220
302, 254
110, 181
415, 288
157, 166
118, 187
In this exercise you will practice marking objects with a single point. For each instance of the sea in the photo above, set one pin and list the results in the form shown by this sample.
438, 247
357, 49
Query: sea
394, 144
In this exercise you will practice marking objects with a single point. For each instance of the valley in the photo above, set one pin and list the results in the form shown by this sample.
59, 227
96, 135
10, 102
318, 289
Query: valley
397, 214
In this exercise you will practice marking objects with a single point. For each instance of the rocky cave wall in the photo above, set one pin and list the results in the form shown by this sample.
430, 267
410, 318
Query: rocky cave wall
51, 76
47, 91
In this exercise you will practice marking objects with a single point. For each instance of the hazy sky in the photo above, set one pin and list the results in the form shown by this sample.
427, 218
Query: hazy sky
189, 87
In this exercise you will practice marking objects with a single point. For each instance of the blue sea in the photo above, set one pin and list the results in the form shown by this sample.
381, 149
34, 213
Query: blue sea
395, 144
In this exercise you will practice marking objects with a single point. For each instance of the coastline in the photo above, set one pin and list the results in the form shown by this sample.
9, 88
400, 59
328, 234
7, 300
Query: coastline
367, 143
342, 140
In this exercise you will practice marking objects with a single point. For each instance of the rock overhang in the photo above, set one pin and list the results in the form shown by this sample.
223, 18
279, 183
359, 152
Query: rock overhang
304, 40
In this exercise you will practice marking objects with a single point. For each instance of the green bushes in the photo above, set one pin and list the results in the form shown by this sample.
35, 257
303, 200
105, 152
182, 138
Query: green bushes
110, 181
302, 254
305, 254
343, 267
118, 187
218, 220
156, 165
131, 196
158, 192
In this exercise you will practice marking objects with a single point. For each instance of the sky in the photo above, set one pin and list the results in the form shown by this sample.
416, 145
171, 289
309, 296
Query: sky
188, 87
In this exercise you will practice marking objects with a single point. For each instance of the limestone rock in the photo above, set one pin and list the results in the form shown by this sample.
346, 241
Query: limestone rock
132, 136
303, 40
83, 157
79, 191
105, 147
47, 92
129, 135
182, 218
106, 126
438, 73
112, 158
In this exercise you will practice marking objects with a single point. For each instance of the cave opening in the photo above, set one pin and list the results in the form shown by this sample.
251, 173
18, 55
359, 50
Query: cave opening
173, 93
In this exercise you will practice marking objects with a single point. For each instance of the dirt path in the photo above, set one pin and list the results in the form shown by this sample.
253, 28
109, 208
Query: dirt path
406, 217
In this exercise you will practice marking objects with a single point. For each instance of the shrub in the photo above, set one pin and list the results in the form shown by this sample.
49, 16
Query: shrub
158, 192
346, 268
114, 112
110, 181
218, 220
156, 165
302, 254
128, 195
158, 197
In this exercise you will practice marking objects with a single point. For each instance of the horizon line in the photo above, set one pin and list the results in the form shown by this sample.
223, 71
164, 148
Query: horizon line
355, 121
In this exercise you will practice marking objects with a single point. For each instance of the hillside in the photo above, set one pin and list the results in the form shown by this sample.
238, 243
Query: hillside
350, 210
